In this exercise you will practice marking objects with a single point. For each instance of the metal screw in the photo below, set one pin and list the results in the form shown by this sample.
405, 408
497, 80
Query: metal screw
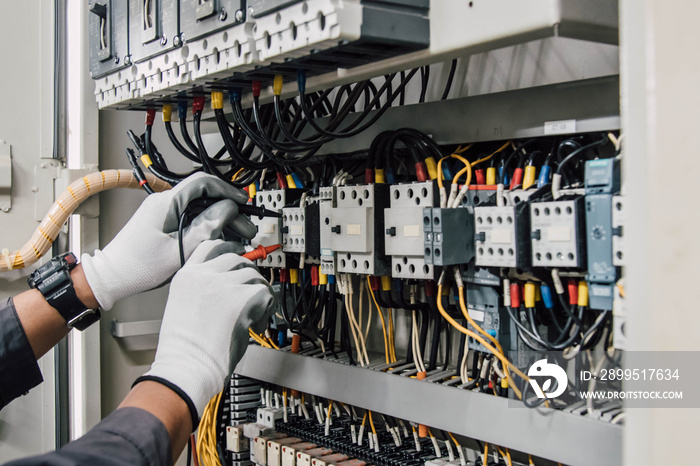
176, 41
223, 15
163, 40
127, 60
116, 59
239, 15
6, 209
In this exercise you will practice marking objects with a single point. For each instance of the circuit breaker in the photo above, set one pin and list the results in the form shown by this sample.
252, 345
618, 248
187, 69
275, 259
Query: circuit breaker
404, 230
558, 233
502, 236
108, 48
602, 180
201, 17
357, 224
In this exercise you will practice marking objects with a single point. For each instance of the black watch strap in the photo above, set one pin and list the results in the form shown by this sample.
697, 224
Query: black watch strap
54, 282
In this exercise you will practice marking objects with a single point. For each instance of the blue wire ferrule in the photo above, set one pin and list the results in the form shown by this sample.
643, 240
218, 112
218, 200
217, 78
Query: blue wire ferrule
182, 109
546, 293
390, 175
301, 81
297, 181
446, 172
234, 94
331, 279
281, 339
544, 176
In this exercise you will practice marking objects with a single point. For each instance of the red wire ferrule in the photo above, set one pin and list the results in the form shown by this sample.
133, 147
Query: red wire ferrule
150, 116
257, 87
572, 288
515, 295
480, 176
198, 103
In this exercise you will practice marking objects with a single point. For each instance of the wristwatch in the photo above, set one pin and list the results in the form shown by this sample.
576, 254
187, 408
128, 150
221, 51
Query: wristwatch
54, 282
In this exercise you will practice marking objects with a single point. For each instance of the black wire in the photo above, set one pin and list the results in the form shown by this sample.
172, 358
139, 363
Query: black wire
450, 78
175, 142
424, 78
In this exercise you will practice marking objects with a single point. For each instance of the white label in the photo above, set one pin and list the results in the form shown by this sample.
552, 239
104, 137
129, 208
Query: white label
354, 229
559, 127
269, 228
559, 234
411, 231
296, 230
501, 237
476, 315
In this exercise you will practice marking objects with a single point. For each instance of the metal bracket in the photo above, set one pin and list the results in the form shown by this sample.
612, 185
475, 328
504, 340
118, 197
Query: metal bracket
51, 179
5, 176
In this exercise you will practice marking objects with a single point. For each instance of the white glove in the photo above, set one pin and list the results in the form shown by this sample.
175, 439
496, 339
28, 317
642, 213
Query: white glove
145, 254
213, 301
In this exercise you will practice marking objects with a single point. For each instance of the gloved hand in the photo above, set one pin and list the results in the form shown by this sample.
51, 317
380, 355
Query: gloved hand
213, 301
144, 255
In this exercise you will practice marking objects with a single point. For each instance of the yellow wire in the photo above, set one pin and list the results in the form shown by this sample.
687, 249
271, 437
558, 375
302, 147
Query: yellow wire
387, 356
510, 461
467, 169
461, 149
206, 439
258, 339
235, 175
392, 342
330, 406
529, 457
491, 155
486, 345
454, 439
486, 453
364, 419
269, 340
371, 423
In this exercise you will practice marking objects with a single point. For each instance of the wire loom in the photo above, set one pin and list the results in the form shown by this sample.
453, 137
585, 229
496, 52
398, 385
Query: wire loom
49, 228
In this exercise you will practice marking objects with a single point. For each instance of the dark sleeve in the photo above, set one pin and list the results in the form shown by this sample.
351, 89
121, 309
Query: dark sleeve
19, 371
127, 437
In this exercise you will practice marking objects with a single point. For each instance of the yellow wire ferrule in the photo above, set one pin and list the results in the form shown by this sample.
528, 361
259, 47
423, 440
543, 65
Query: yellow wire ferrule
504, 383
431, 165
277, 84
386, 283
322, 278
167, 113
582, 293
290, 182
217, 100
379, 175
529, 293
252, 190
529, 176
293, 276
146, 160
491, 176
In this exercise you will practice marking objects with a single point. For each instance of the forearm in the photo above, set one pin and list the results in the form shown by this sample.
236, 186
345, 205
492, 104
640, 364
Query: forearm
43, 325
167, 406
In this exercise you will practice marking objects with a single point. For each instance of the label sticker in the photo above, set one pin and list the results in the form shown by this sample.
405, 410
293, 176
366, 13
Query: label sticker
559, 127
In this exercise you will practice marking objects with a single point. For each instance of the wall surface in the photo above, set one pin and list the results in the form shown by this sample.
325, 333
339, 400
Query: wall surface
27, 426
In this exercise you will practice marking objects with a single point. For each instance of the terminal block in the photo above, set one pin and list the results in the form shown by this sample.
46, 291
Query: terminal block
558, 233
270, 228
449, 236
300, 230
404, 231
357, 224
618, 225
502, 236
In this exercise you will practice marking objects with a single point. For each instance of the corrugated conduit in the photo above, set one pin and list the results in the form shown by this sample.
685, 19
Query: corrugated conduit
49, 228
